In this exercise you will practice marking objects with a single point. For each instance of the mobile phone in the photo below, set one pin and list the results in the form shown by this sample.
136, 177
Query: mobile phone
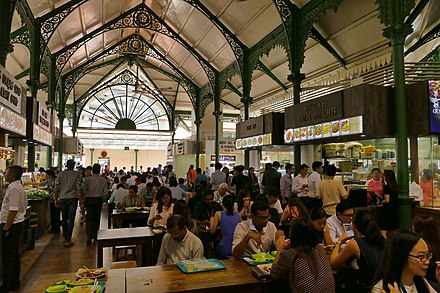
350, 231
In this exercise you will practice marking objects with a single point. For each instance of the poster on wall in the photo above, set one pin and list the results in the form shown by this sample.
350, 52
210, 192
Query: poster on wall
11, 91
434, 105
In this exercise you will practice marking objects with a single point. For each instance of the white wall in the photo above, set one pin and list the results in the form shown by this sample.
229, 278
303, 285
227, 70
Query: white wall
121, 158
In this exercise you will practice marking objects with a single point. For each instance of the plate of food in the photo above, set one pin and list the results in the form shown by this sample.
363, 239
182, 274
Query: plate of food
254, 141
297, 133
288, 135
303, 132
326, 129
345, 126
260, 140
130, 209
244, 142
265, 268
318, 130
336, 128
238, 143
86, 289
91, 273
79, 282
310, 132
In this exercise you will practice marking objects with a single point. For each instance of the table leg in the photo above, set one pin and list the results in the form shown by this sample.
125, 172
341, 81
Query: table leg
100, 253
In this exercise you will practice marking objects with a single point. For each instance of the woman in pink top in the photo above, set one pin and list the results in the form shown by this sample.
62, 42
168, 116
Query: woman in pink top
375, 185
426, 183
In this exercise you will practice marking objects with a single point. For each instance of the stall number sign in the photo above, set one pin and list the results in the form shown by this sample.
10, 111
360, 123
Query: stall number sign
11, 91
43, 117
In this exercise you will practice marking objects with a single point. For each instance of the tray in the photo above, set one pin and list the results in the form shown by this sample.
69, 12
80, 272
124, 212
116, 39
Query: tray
184, 269
101, 287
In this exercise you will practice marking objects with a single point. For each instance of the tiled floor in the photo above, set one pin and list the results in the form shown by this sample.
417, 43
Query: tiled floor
50, 256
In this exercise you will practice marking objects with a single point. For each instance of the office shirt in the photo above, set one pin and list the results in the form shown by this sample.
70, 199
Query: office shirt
313, 180
95, 186
68, 183
217, 178
118, 195
172, 252
297, 185
15, 200
335, 227
133, 201
177, 192
267, 237
331, 191
286, 185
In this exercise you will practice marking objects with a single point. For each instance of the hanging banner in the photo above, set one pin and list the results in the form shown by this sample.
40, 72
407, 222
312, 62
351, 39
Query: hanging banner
43, 117
11, 91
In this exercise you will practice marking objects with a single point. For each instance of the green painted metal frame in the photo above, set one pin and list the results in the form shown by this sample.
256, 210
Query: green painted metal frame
7, 8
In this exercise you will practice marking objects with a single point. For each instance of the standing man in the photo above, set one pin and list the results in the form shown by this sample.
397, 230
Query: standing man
217, 177
300, 186
286, 184
94, 189
12, 217
67, 193
272, 177
313, 180
191, 176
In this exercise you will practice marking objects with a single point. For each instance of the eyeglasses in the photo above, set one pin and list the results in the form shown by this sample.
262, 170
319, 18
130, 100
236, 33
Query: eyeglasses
424, 257
263, 218
348, 215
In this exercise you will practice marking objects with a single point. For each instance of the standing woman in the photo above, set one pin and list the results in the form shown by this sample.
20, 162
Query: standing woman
404, 265
255, 186
389, 216
54, 210
161, 210
305, 263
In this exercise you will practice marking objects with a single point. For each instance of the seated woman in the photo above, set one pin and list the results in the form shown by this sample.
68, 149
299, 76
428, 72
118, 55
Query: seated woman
318, 218
294, 210
404, 264
161, 210
228, 219
305, 263
243, 204
367, 248
428, 228
181, 208
132, 199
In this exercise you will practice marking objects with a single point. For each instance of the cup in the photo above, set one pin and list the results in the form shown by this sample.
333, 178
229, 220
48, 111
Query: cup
190, 267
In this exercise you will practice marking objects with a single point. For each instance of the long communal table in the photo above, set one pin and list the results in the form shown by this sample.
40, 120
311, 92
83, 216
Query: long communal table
127, 236
120, 215
115, 281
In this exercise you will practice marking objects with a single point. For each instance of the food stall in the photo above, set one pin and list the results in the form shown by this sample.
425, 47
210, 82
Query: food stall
263, 136
346, 129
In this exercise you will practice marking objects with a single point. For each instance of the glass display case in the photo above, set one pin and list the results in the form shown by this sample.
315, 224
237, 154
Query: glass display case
429, 162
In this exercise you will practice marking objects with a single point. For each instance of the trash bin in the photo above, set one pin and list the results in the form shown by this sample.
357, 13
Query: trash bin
33, 223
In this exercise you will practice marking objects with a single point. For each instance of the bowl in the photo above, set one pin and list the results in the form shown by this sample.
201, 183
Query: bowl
56, 289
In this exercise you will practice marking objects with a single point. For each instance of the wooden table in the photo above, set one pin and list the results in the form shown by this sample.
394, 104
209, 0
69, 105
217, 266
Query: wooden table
121, 215
127, 236
237, 277
115, 281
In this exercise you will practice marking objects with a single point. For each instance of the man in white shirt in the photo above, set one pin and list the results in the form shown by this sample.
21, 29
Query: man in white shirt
300, 185
255, 235
286, 183
335, 224
313, 180
178, 244
217, 177
12, 216
118, 195
273, 198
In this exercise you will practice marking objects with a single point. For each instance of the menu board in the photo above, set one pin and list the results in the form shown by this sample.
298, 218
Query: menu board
42, 135
434, 105
347, 126
11, 91
11, 121
253, 141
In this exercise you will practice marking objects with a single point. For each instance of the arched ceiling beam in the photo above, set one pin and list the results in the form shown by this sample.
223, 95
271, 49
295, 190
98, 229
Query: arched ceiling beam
434, 33
314, 34
238, 48
140, 16
416, 11
268, 72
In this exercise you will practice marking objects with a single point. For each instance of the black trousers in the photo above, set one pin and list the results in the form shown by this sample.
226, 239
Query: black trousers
11, 257
93, 216
55, 218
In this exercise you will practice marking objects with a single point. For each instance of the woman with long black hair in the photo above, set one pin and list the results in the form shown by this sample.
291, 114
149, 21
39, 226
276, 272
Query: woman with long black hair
305, 263
404, 264
389, 215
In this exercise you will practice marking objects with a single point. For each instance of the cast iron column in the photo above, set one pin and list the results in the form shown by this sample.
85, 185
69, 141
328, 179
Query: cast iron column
217, 114
7, 8
392, 14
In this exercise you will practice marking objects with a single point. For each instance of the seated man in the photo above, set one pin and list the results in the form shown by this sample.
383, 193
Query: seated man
206, 209
344, 215
179, 243
257, 234
132, 199
222, 191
